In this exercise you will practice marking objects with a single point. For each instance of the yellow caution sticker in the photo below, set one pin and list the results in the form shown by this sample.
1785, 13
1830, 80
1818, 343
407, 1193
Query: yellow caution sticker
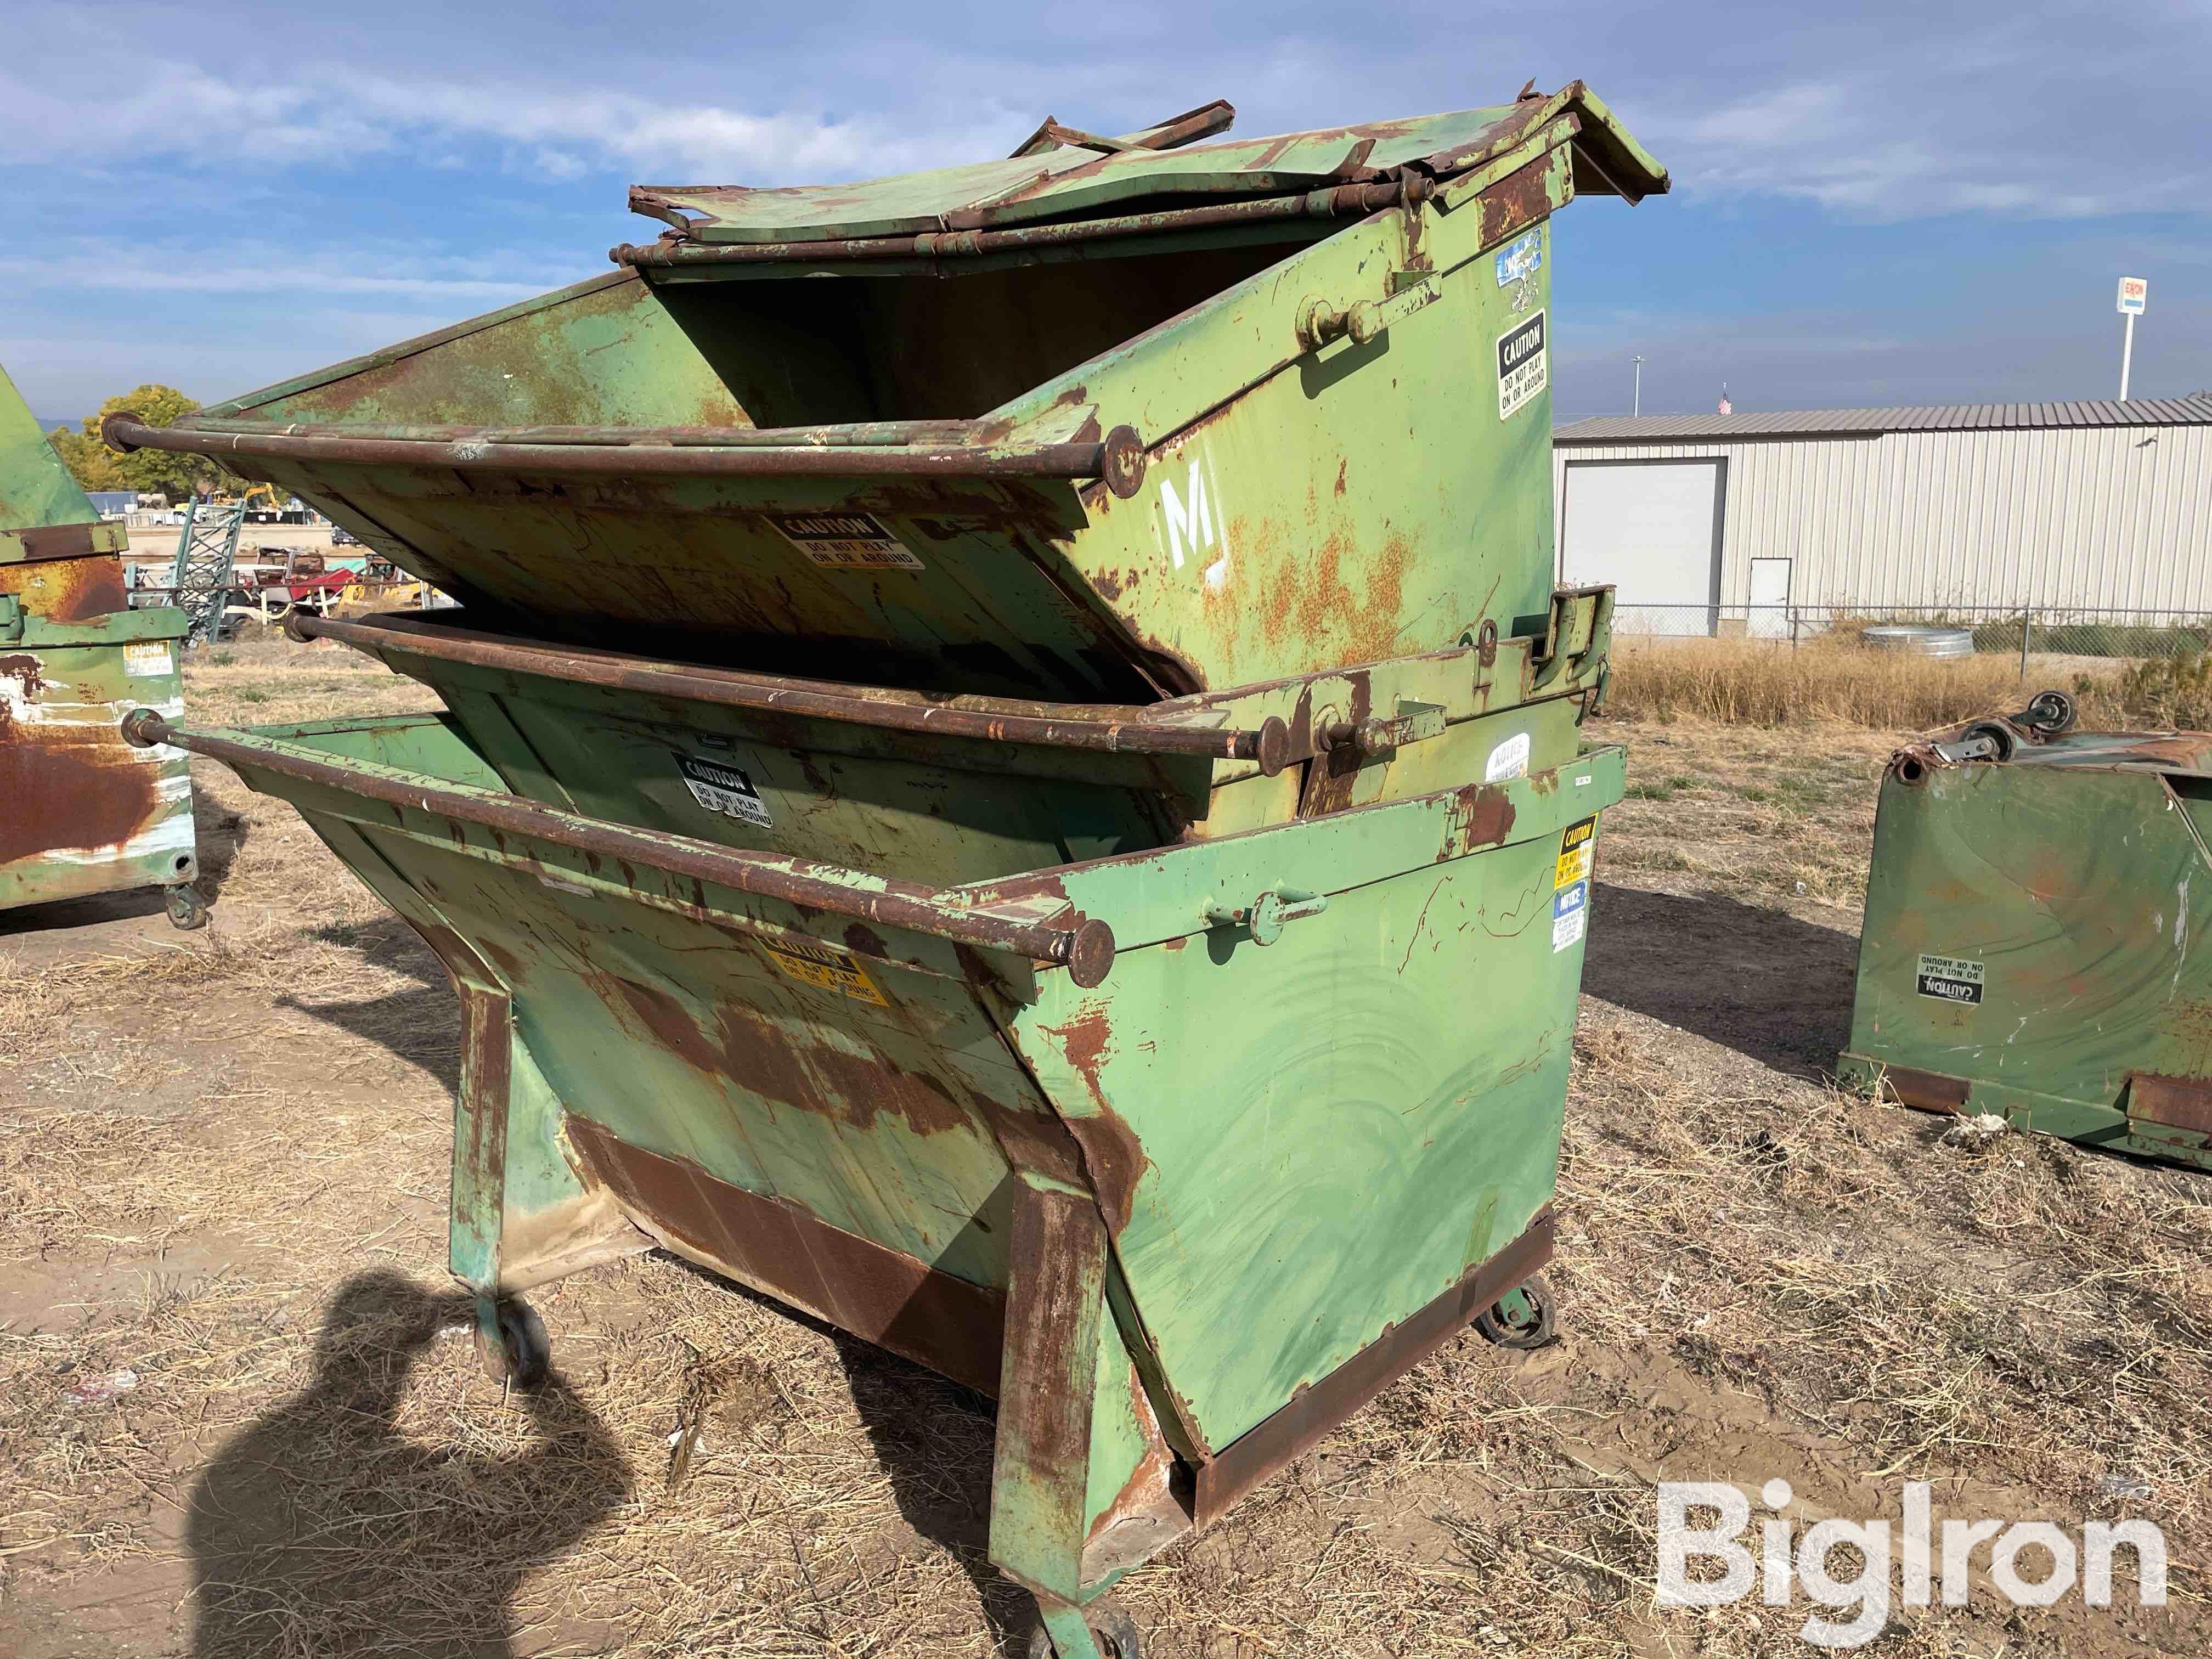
1575, 846
148, 657
824, 969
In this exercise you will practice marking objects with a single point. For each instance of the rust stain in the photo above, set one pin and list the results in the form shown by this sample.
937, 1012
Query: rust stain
782, 1066
1084, 1040
74, 591
1115, 1160
1310, 599
92, 788
1341, 464
1482, 816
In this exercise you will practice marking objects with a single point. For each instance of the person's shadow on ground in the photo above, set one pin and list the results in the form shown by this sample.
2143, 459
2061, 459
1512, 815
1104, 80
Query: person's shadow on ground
323, 1528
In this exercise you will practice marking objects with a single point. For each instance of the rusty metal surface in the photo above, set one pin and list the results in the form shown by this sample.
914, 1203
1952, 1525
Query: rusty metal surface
1057, 1261
1087, 947
1927, 1091
2028, 744
1104, 729
1072, 180
2174, 1103
954, 1328
1340, 202
1118, 461
63, 541
1256, 1454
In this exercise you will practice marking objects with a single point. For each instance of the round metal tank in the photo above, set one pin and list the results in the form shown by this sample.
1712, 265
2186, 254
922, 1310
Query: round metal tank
1921, 640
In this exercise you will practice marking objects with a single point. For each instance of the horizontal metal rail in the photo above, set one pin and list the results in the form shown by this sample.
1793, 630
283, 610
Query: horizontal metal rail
1338, 201
1118, 460
860, 433
1068, 726
1086, 948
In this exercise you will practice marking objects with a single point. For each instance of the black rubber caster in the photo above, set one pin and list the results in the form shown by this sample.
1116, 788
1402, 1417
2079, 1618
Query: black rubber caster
187, 909
1521, 1318
2050, 713
515, 1348
1116, 1634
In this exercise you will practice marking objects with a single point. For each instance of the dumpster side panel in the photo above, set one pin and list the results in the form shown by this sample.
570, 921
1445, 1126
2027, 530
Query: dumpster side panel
108, 816
706, 774
1325, 531
1307, 1142
2030, 943
602, 352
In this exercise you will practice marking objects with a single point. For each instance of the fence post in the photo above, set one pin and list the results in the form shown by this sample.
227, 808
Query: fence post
2027, 628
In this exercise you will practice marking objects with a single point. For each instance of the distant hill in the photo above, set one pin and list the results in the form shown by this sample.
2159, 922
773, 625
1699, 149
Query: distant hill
48, 423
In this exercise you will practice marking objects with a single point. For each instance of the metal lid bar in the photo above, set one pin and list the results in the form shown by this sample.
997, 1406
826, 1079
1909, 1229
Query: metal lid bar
869, 432
1119, 460
1338, 202
1086, 948
1102, 730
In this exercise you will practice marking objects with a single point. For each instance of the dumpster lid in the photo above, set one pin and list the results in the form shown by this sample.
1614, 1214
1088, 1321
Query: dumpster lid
44, 514
1060, 173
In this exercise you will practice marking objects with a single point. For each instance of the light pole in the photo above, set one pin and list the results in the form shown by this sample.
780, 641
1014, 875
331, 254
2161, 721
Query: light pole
1637, 406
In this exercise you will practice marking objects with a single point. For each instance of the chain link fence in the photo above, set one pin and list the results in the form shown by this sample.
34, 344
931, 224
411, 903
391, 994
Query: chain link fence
2016, 630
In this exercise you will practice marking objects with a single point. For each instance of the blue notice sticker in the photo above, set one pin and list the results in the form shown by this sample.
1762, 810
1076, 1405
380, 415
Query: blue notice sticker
1521, 257
1569, 914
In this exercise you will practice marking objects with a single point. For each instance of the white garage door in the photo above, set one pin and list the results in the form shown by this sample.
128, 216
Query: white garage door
1648, 528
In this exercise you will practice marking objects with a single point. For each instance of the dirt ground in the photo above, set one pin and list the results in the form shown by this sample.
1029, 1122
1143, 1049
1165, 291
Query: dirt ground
224, 1322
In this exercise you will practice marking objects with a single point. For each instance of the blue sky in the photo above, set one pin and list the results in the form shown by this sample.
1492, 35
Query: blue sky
1874, 204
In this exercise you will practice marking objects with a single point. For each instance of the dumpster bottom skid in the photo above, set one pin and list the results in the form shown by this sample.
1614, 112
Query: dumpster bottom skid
1184, 1154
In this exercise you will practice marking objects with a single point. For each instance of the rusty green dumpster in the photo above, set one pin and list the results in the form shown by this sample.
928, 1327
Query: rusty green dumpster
80, 811
1073, 863
2033, 941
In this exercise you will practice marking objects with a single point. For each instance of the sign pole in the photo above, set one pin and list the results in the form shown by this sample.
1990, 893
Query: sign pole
2135, 291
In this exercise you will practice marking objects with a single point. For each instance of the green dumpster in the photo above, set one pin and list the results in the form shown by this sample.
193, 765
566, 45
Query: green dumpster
1073, 866
2033, 941
80, 811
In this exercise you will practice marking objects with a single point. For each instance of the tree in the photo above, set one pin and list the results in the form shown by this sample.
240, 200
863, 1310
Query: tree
90, 462
96, 466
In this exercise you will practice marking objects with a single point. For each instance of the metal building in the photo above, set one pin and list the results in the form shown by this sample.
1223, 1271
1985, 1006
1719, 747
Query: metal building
1757, 518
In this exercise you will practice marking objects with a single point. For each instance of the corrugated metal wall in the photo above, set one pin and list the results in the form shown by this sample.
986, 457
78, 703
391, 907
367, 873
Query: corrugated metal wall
2116, 518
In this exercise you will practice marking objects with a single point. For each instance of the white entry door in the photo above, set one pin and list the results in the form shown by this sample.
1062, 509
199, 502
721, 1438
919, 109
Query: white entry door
1770, 600
1651, 528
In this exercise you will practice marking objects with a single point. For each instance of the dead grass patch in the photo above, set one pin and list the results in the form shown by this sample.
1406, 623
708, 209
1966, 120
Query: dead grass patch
1768, 684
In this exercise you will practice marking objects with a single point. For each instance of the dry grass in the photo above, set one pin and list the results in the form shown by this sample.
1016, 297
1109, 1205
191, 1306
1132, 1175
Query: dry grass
1758, 682
203, 1152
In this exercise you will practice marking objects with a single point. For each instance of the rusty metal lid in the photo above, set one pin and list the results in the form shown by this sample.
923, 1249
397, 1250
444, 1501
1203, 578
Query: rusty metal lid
1060, 173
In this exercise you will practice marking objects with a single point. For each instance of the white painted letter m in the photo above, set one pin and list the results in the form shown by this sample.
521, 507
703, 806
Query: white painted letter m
1194, 524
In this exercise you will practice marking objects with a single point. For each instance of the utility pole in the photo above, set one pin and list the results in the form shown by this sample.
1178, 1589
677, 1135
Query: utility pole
1636, 407
2135, 291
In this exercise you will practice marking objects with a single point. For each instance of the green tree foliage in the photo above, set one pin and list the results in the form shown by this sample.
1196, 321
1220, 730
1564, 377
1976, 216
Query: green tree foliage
90, 462
95, 466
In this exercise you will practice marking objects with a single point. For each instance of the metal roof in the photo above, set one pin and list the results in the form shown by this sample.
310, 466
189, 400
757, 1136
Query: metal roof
1872, 423
1060, 173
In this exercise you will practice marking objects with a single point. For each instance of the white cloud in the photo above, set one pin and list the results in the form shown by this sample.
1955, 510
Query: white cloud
145, 267
322, 115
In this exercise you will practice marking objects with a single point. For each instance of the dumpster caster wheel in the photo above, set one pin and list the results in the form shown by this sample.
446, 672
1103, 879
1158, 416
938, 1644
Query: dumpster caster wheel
1114, 1631
511, 1343
2050, 713
187, 909
1521, 1318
